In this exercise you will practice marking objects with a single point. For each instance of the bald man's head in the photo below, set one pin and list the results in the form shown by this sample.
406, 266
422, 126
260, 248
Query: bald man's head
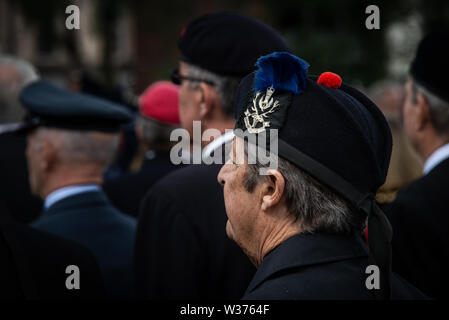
14, 75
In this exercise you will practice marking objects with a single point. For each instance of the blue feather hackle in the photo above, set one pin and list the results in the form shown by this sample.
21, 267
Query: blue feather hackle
282, 71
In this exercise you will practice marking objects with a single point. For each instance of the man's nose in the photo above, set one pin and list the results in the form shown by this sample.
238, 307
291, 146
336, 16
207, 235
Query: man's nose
220, 176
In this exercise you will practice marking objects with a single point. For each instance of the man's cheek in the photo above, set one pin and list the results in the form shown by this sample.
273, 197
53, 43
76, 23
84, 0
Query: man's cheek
228, 203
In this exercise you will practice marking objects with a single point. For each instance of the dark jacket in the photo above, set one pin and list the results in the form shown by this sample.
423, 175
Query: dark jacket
182, 250
420, 219
89, 219
33, 265
127, 191
14, 187
319, 267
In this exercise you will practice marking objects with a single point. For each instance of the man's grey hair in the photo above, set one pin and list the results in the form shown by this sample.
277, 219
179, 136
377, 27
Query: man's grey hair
439, 108
81, 147
156, 134
318, 208
15, 74
226, 86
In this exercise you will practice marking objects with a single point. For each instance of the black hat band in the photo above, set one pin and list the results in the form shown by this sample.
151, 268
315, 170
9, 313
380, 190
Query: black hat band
73, 123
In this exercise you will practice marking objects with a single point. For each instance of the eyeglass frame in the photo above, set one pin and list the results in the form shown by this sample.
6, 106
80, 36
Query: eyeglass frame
177, 78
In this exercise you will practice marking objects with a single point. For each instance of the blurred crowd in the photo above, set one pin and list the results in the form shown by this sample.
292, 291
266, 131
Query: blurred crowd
87, 179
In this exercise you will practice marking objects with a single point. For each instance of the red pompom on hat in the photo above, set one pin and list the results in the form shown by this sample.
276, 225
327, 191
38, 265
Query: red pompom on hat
160, 102
330, 80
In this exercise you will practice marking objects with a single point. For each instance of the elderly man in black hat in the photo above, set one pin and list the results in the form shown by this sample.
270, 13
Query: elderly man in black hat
300, 220
181, 248
419, 214
71, 139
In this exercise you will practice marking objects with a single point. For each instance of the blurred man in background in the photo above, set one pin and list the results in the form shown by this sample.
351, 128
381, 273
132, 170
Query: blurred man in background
71, 139
181, 248
33, 262
15, 73
158, 116
14, 188
419, 215
405, 164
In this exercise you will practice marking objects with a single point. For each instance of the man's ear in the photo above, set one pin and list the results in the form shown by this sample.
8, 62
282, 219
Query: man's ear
48, 155
208, 99
273, 189
423, 112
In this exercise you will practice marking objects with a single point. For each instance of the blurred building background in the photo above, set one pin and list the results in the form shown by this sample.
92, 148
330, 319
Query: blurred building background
123, 46
132, 43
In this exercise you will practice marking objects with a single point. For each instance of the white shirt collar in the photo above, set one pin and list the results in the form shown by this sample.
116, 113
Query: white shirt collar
436, 158
8, 127
217, 142
66, 192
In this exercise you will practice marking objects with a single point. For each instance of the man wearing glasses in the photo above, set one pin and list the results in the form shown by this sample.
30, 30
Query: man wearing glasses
207, 97
181, 248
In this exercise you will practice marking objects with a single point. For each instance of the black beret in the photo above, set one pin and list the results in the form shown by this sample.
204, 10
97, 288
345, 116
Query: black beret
228, 43
431, 64
50, 106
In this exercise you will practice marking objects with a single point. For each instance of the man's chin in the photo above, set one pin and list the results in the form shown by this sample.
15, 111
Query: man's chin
229, 230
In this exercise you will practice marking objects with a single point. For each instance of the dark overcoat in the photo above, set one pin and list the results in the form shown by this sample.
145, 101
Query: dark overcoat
90, 220
182, 250
320, 267
420, 219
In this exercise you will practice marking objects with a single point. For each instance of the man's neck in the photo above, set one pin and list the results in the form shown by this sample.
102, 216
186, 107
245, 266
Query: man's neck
281, 231
221, 125
65, 178
429, 146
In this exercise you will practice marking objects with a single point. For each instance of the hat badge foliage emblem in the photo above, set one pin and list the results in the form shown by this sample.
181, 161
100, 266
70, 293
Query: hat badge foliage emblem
256, 115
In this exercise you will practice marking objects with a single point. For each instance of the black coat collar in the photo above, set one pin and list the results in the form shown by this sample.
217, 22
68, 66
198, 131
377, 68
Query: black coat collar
80, 200
308, 249
441, 167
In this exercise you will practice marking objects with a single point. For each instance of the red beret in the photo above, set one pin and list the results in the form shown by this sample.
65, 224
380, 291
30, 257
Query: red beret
160, 102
